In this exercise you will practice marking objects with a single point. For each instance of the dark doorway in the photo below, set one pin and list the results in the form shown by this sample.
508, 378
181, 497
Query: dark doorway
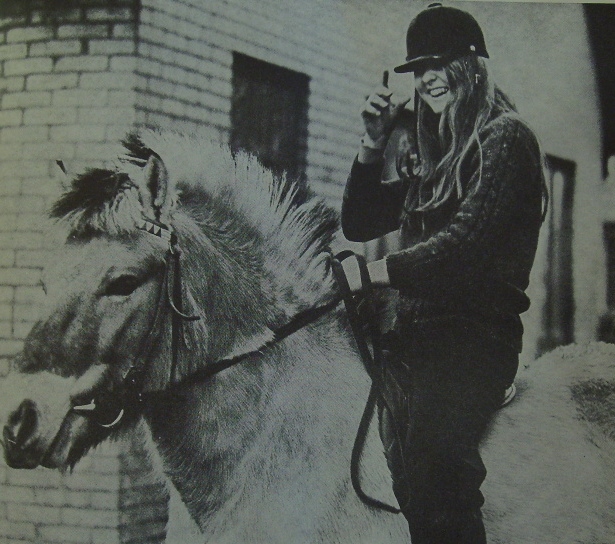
558, 314
601, 28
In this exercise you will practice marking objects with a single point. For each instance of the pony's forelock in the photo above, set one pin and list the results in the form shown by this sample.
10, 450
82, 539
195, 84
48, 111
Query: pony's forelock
99, 201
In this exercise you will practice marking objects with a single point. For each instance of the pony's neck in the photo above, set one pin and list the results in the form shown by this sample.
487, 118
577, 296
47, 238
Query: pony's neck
243, 293
273, 424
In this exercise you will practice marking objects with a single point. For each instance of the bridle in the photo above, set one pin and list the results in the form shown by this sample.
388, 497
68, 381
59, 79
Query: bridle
108, 408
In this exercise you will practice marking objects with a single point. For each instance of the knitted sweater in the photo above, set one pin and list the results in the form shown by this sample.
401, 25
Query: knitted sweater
470, 258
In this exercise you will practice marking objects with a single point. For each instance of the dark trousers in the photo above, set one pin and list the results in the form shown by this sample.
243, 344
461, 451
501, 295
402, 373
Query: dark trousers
442, 384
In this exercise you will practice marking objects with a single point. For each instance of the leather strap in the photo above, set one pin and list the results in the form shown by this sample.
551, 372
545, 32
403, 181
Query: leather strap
373, 363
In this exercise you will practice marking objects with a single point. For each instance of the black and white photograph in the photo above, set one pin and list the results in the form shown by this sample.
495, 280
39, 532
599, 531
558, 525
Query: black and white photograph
307, 272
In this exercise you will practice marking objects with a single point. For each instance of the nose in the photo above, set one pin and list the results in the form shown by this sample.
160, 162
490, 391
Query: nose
428, 76
19, 437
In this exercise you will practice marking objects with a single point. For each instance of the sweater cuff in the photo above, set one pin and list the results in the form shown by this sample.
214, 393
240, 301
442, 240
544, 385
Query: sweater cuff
398, 268
369, 171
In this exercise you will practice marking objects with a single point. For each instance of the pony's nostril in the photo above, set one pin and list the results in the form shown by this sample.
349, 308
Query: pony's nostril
15, 453
22, 425
8, 438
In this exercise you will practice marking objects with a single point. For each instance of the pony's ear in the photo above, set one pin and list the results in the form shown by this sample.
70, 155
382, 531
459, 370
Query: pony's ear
154, 189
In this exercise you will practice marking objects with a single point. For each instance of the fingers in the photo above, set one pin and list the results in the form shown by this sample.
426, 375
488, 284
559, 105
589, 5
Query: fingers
400, 104
377, 102
404, 101
384, 102
385, 78
381, 100
381, 109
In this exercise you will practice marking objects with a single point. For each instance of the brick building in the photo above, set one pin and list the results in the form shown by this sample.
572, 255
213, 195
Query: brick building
284, 79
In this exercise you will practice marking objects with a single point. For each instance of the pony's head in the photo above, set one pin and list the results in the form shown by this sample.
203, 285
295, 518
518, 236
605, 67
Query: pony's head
179, 227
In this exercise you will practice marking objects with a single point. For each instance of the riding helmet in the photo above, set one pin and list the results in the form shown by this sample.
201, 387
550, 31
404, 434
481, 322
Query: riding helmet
442, 33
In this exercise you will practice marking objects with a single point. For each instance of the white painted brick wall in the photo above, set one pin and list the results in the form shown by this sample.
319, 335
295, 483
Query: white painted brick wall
13, 51
51, 81
29, 34
51, 48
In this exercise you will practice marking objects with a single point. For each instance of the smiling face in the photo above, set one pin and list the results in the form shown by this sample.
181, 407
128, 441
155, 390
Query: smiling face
432, 85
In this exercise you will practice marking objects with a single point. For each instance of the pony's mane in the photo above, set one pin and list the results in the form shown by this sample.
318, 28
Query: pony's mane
294, 227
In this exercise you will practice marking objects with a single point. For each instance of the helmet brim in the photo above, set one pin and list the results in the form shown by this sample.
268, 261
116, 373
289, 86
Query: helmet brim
411, 64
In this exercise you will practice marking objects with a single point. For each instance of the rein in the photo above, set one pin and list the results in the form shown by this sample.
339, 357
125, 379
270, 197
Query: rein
374, 365
297, 322
108, 408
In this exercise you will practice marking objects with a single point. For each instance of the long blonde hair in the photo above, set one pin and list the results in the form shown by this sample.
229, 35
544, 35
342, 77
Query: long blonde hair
444, 144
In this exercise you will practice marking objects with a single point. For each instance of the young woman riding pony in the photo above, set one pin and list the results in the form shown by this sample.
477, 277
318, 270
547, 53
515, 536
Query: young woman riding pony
468, 204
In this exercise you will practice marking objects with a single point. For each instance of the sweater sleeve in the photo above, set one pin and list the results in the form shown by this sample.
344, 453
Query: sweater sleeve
495, 192
370, 208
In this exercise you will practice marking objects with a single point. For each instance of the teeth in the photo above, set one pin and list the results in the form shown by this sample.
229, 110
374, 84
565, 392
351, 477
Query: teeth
438, 92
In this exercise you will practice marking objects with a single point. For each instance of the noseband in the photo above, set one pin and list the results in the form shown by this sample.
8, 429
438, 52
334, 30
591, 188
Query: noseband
108, 408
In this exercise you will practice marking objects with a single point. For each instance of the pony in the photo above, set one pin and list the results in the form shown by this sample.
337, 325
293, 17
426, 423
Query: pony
193, 302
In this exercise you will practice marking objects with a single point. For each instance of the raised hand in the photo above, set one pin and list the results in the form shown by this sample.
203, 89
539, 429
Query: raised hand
380, 110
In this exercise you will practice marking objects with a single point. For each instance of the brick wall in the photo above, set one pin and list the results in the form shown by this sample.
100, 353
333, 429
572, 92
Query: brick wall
184, 73
185, 68
108, 499
66, 92
43, 506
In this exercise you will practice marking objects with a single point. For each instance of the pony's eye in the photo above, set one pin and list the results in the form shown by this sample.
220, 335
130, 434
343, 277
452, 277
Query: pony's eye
122, 286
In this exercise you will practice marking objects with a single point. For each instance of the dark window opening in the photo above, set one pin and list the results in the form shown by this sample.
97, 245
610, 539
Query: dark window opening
269, 114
